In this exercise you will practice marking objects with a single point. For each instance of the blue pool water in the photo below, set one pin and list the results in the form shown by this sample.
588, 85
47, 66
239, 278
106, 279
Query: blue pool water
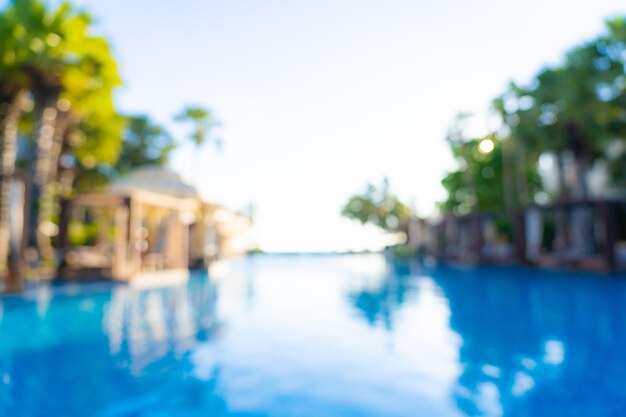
321, 337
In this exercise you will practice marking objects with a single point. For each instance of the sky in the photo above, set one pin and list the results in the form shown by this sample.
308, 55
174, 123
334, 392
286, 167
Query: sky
318, 98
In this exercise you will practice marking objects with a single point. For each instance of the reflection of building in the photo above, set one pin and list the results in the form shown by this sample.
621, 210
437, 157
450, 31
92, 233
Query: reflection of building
148, 221
536, 344
120, 346
146, 325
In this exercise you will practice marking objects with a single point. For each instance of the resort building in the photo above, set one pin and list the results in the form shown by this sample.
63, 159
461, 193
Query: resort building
147, 226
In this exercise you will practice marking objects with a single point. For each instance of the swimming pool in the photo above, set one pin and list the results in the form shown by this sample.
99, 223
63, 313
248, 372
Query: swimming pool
320, 336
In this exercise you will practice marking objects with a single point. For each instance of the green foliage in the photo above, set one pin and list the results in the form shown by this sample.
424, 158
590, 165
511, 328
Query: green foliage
256, 251
145, 143
378, 206
578, 106
82, 234
92, 179
478, 183
13, 54
203, 122
101, 139
52, 54
402, 251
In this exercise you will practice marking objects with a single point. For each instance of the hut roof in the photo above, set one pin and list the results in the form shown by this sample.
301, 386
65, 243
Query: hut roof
154, 179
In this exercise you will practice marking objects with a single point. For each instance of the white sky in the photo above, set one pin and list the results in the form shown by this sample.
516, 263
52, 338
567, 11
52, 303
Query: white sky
319, 97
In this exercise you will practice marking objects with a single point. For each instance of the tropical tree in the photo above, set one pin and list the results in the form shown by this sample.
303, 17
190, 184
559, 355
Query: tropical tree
574, 108
482, 179
13, 96
90, 152
145, 143
91, 130
478, 183
380, 207
203, 122
70, 75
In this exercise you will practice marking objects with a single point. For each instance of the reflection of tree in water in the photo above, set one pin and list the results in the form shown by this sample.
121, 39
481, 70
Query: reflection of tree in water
148, 325
118, 353
379, 301
538, 344
173, 352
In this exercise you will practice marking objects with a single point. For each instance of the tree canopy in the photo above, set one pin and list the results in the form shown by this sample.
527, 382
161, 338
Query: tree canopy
380, 207
145, 143
203, 122
574, 111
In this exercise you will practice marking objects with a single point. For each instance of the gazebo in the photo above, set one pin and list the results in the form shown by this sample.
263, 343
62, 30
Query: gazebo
139, 229
584, 234
474, 238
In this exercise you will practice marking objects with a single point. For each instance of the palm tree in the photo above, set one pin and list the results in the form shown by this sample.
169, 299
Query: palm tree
13, 96
85, 111
70, 74
203, 122
574, 108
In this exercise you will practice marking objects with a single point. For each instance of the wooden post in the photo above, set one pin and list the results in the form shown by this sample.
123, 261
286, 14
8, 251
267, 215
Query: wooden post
173, 245
478, 241
184, 244
450, 227
441, 240
606, 211
63, 238
135, 236
119, 264
519, 219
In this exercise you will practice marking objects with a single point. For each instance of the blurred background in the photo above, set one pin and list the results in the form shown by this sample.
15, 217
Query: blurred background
315, 100
150, 143
303, 118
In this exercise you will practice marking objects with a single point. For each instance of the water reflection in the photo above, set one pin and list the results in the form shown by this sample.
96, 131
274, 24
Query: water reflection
112, 351
378, 297
538, 344
532, 343
145, 326
311, 336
